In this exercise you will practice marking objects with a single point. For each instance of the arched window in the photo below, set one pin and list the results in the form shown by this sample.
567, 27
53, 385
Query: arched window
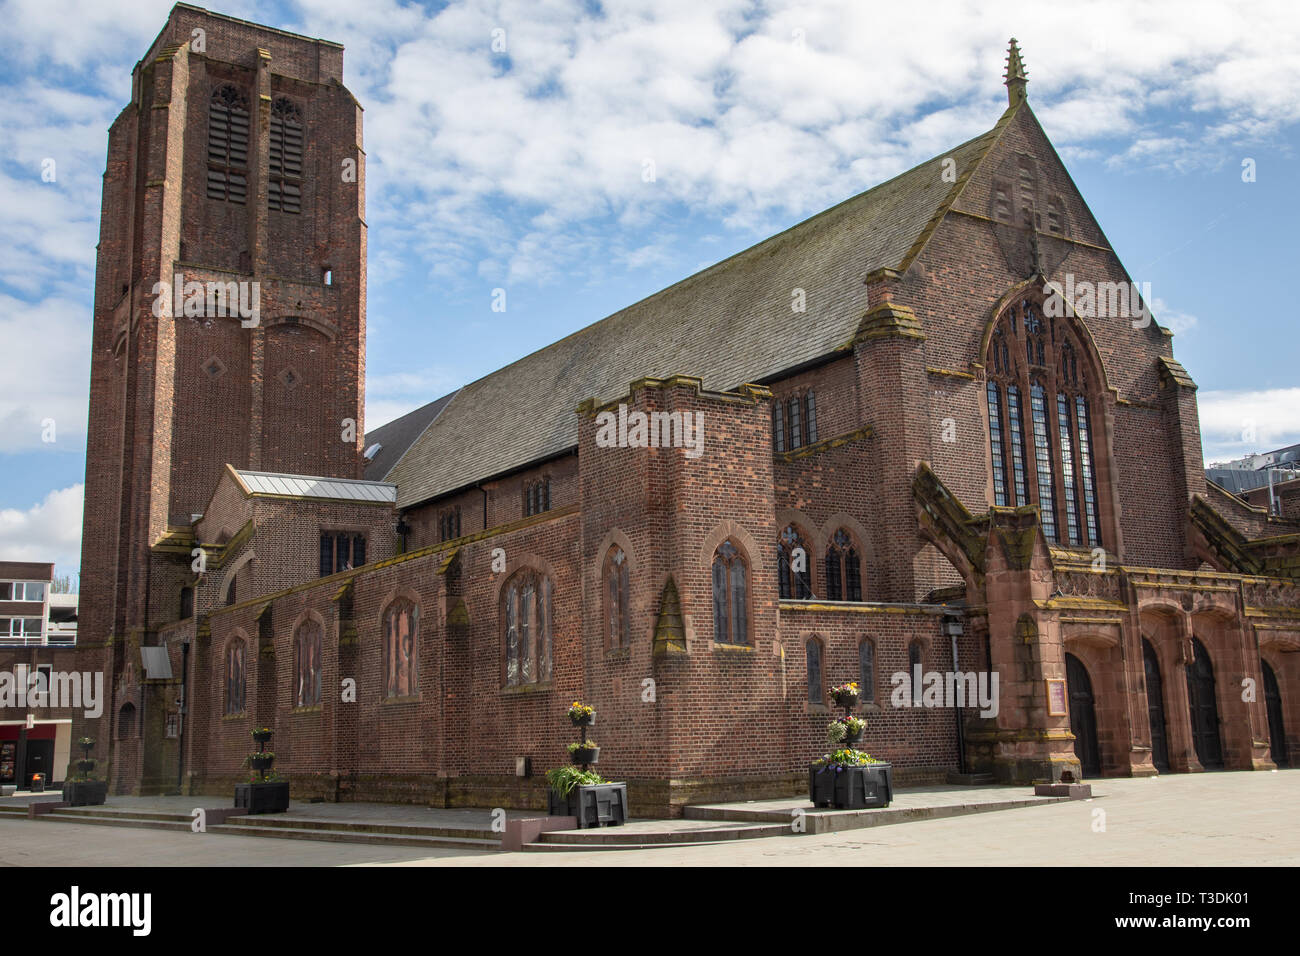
730, 596
228, 145
618, 624
284, 186
813, 649
126, 722
230, 591
537, 497
187, 603
401, 632
794, 421
307, 663
235, 677
792, 572
449, 524
843, 571
527, 612
867, 671
1042, 450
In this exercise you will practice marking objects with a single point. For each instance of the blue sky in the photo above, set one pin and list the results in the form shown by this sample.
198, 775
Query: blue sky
523, 169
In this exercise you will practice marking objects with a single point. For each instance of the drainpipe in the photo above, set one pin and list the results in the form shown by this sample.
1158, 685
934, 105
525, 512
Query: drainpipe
952, 627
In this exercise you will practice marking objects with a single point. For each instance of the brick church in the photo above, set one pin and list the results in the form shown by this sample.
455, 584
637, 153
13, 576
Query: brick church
915, 450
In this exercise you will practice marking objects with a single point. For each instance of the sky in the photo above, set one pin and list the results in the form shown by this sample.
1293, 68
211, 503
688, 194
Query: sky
581, 155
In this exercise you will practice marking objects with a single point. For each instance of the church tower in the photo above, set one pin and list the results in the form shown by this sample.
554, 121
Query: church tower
229, 316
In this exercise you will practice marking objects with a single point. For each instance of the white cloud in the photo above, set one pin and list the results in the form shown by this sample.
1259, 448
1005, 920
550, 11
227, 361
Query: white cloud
1239, 423
48, 531
1177, 322
45, 365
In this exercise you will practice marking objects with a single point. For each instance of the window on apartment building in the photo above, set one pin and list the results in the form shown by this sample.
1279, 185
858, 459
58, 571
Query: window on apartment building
401, 627
867, 671
794, 421
235, 677
284, 186
793, 574
843, 569
449, 524
341, 551
25, 628
537, 497
228, 145
813, 652
730, 595
22, 590
618, 623
1043, 454
526, 613
307, 663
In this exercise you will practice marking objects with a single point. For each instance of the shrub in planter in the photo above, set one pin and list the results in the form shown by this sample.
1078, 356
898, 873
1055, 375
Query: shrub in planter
850, 780
263, 797
81, 791
583, 794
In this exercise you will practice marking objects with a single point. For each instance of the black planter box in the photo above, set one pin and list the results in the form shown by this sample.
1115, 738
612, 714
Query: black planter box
262, 797
85, 793
597, 805
852, 788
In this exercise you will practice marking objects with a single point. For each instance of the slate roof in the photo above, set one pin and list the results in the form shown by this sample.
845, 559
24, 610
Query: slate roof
729, 325
398, 435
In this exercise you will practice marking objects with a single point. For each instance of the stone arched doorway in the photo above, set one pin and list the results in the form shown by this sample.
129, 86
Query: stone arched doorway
1203, 706
1276, 724
1083, 717
1156, 708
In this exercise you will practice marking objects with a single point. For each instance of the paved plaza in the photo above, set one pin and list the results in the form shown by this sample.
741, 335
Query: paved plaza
1223, 819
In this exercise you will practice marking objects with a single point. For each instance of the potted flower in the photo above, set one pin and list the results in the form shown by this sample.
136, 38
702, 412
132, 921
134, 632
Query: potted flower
266, 791
584, 752
845, 695
81, 790
581, 715
849, 779
845, 731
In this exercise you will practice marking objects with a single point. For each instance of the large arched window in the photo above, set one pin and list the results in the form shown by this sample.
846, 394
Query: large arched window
843, 569
235, 677
284, 187
792, 572
401, 632
228, 145
618, 623
307, 663
527, 612
1040, 422
730, 596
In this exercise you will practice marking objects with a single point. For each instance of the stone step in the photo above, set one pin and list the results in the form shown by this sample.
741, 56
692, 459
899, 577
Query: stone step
605, 847
620, 836
279, 821
143, 820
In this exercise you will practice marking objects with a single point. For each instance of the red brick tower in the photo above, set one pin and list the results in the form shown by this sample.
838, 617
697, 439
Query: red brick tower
229, 309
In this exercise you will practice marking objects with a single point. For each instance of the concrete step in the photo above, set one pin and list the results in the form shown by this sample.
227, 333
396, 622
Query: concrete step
603, 847
279, 821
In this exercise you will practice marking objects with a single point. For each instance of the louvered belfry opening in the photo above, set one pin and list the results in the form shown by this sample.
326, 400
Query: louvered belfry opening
228, 145
284, 188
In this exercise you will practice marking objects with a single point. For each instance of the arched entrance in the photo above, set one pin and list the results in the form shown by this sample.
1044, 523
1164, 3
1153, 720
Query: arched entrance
1204, 708
1276, 728
1156, 708
1083, 717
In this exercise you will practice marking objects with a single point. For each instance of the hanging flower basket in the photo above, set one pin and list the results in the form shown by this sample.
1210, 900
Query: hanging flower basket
262, 734
580, 754
581, 715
